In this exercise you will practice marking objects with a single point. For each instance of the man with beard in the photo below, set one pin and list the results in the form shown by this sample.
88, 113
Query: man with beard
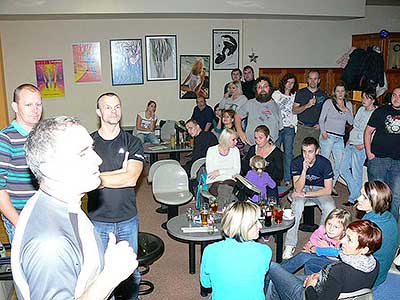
112, 207
262, 110
307, 106
249, 82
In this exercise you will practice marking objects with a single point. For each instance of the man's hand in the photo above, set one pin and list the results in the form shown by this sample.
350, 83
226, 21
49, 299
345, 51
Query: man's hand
370, 156
359, 147
311, 102
119, 260
306, 165
298, 194
325, 135
311, 280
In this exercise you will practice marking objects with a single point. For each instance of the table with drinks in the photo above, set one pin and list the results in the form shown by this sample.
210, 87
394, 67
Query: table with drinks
172, 148
204, 227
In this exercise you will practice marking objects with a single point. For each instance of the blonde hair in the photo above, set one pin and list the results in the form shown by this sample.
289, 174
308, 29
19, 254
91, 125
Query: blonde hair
225, 136
238, 219
197, 66
258, 164
342, 215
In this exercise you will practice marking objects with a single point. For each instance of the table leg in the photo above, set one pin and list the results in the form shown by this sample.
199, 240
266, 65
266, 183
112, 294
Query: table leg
192, 258
175, 155
153, 158
279, 246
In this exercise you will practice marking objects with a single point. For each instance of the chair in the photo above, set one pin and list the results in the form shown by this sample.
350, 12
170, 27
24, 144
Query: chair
151, 248
308, 224
171, 187
194, 170
6, 283
363, 294
157, 164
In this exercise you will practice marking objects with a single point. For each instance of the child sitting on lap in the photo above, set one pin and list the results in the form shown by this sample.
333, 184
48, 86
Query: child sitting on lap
323, 243
259, 177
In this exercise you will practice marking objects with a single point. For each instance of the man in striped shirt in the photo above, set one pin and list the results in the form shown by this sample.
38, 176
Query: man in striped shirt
17, 184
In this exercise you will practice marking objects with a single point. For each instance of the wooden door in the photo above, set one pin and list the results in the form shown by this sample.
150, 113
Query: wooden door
3, 99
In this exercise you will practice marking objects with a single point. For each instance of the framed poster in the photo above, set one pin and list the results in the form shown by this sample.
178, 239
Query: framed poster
87, 62
161, 57
126, 62
194, 76
225, 49
50, 78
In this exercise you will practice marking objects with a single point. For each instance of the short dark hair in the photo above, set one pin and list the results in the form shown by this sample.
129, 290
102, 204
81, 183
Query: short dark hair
108, 94
369, 235
248, 68
150, 103
371, 94
310, 141
237, 70
191, 121
314, 71
379, 195
26, 86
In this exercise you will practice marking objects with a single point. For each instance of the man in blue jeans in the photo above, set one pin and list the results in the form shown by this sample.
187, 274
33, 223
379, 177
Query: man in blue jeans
112, 207
383, 151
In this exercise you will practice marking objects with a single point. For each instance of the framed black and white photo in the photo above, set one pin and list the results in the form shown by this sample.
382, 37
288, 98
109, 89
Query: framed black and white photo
161, 58
225, 49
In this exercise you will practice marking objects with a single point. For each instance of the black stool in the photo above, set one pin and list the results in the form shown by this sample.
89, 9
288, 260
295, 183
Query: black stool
151, 248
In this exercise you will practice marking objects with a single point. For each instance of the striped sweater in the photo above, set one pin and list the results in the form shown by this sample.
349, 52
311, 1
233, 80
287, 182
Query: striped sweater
15, 176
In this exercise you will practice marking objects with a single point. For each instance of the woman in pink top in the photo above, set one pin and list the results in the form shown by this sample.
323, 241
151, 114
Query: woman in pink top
324, 242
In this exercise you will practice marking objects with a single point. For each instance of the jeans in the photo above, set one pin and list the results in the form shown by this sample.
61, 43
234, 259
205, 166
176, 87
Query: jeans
315, 264
283, 285
325, 203
388, 170
148, 138
286, 138
10, 229
351, 169
335, 145
124, 231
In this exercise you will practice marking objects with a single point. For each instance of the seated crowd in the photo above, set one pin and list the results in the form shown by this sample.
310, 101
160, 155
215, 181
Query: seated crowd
286, 137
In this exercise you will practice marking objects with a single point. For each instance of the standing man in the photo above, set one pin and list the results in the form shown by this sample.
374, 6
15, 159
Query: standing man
55, 253
17, 183
112, 207
236, 75
203, 114
383, 151
248, 86
312, 179
307, 106
202, 141
262, 110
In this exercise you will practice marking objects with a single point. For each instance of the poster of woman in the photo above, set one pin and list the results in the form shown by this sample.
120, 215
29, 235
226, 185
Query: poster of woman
194, 76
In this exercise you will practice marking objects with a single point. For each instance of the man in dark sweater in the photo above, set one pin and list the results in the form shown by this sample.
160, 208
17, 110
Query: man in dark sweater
248, 86
202, 141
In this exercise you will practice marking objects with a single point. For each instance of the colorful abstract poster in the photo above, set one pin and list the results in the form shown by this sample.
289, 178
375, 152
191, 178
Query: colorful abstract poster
50, 78
87, 62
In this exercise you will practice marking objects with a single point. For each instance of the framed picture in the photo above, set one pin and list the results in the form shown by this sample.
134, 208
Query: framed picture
161, 57
194, 76
126, 62
50, 78
225, 49
87, 62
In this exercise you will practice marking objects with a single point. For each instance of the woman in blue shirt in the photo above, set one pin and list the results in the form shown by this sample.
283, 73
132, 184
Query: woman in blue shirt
235, 268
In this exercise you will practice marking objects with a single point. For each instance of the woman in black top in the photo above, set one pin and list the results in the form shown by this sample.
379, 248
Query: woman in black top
272, 155
357, 269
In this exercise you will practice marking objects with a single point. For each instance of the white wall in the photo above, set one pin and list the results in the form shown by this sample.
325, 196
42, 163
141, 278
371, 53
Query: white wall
279, 43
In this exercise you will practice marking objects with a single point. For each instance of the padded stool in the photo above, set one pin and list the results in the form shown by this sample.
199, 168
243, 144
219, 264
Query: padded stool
151, 248
308, 224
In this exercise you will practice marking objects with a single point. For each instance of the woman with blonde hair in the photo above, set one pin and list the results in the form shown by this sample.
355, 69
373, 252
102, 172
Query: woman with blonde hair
222, 164
235, 268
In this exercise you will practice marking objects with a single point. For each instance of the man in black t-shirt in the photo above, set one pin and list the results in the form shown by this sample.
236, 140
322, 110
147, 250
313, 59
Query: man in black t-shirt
203, 114
383, 151
112, 207
249, 83
202, 141
307, 106
312, 180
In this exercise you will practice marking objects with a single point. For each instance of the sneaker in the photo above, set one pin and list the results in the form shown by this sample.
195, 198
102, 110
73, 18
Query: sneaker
288, 252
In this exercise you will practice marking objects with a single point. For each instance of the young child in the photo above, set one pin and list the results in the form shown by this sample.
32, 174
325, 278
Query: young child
324, 242
259, 178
